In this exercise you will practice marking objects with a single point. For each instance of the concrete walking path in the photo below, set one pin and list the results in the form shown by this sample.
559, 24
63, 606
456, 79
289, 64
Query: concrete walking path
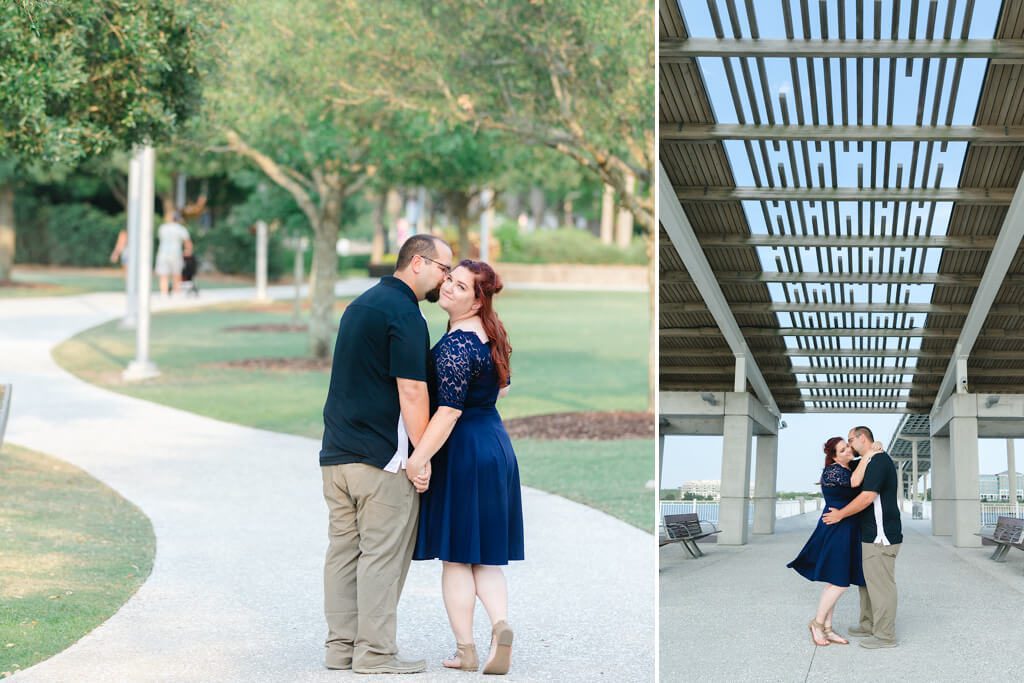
739, 614
236, 589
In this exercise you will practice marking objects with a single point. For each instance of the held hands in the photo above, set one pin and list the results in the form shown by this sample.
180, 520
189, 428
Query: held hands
418, 474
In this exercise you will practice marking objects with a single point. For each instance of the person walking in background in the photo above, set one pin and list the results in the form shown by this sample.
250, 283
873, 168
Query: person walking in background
471, 518
175, 245
833, 552
881, 539
378, 401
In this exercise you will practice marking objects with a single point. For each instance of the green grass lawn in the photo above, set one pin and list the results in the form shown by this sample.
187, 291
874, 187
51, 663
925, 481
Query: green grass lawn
572, 351
36, 281
73, 551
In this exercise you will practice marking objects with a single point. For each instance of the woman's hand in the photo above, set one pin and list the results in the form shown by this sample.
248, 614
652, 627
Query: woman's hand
418, 473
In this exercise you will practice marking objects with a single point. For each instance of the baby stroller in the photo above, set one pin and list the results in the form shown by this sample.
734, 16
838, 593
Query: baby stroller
188, 277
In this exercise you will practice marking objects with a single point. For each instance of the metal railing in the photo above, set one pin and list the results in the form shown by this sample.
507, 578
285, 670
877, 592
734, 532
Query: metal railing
708, 510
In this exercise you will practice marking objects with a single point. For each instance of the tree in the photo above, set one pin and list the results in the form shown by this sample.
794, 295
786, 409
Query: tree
573, 75
82, 78
275, 105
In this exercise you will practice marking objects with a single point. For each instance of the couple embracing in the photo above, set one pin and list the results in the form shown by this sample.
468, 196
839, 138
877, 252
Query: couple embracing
416, 463
856, 540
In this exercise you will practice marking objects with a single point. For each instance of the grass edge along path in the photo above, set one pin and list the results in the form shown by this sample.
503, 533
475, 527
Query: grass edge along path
74, 552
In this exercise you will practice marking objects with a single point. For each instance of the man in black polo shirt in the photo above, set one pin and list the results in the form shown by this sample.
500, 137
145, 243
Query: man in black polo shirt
881, 538
377, 404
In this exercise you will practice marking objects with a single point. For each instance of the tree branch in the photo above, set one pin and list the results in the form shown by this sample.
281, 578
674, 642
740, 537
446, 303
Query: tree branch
277, 173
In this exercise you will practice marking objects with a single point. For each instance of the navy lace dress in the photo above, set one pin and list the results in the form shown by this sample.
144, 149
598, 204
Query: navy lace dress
832, 553
473, 511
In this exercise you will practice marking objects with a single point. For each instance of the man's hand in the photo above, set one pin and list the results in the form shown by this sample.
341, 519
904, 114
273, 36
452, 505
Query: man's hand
833, 516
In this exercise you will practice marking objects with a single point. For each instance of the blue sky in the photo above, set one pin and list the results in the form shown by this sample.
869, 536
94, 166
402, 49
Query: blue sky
800, 457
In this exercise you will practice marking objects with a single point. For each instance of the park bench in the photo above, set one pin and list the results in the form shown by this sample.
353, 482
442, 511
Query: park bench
686, 529
5, 408
1009, 532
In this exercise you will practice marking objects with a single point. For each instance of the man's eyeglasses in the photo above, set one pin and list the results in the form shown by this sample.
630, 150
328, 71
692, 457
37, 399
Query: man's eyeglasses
445, 268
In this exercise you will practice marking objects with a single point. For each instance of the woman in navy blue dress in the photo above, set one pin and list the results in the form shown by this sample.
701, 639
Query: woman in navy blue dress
471, 516
832, 554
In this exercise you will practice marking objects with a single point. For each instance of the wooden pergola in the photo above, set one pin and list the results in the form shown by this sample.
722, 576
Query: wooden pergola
813, 249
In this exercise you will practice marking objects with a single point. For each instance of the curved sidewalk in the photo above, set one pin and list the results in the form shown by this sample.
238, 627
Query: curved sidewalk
236, 592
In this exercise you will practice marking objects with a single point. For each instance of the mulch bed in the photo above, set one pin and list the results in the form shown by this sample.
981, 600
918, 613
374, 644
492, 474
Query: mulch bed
276, 364
583, 426
607, 426
269, 327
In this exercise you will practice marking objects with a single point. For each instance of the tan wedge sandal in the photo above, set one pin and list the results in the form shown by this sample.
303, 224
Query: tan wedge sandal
465, 653
501, 649
833, 637
821, 627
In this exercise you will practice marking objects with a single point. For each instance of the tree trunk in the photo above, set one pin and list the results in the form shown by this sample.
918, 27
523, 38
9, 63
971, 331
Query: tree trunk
567, 211
325, 267
624, 224
379, 230
607, 214
537, 207
6, 231
458, 203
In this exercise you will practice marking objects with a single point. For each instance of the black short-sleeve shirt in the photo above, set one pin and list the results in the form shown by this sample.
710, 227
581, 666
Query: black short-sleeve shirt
382, 336
880, 477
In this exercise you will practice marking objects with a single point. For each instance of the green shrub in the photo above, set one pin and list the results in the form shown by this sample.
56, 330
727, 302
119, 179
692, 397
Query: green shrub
76, 234
564, 245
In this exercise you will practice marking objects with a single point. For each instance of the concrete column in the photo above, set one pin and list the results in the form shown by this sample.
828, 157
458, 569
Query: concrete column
142, 368
1011, 472
942, 487
963, 442
661, 461
738, 430
765, 477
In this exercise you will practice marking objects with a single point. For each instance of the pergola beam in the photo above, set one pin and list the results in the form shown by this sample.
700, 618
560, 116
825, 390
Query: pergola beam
968, 242
996, 196
780, 371
976, 135
999, 262
852, 307
914, 332
678, 227
668, 352
1005, 50
967, 280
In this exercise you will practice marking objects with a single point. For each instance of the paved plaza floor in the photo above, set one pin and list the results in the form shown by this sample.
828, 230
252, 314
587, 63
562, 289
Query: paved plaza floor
236, 589
739, 614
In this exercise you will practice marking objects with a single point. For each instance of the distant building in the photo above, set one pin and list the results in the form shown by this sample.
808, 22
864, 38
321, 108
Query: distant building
706, 487
702, 487
996, 487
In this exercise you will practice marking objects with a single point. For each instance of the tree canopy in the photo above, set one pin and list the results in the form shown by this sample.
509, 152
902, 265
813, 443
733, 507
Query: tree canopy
81, 78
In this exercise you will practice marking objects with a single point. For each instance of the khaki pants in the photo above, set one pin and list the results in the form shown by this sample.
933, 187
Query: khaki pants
878, 599
372, 532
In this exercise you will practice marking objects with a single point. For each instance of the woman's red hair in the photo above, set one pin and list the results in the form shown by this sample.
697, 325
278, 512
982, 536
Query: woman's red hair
830, 450
487, 284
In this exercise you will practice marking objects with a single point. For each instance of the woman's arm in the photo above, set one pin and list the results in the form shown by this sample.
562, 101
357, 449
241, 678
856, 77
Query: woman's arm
437, 432
503, 392
857, 478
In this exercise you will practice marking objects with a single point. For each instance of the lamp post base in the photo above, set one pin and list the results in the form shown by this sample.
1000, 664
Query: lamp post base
137, 371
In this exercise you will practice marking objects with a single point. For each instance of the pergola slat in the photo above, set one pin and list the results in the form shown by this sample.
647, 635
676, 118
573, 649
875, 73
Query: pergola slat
1002, 50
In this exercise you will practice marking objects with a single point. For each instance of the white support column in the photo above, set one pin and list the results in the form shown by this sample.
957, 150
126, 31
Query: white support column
142, 368
262, 237
131, 250
765, 478
914, 500
739, 381
942, 487
661, 461
734, 505
1011, 472
963, 442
